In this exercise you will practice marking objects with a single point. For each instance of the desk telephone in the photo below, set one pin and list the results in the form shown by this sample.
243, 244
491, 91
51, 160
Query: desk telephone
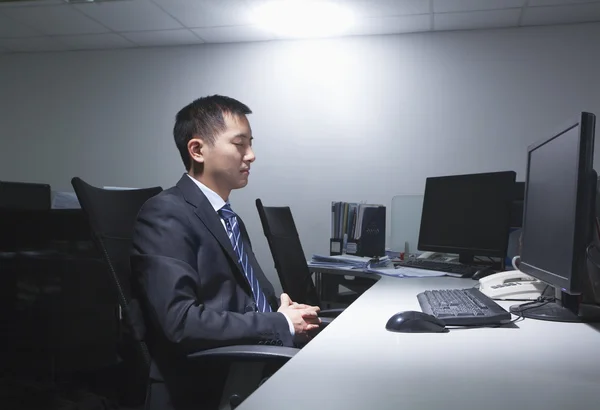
511, 285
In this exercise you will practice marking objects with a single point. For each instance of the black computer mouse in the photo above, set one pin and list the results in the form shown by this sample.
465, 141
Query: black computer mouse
483, 272
415, 322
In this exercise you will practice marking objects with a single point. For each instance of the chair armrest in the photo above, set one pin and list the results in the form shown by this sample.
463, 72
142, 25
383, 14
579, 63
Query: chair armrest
247, 352
234, 356
330, 312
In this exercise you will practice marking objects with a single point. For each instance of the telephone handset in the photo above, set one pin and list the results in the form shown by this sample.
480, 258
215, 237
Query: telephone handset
511, 285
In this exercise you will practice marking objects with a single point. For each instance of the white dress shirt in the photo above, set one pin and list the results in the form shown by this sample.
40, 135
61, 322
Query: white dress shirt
217, 203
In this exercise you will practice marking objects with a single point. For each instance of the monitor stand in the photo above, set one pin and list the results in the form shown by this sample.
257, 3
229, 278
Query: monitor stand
566, 308
569, 308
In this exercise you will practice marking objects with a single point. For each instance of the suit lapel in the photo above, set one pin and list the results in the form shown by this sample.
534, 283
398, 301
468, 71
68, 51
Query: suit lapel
207, 215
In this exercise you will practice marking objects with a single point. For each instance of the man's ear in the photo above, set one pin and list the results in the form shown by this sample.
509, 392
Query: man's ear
196, 150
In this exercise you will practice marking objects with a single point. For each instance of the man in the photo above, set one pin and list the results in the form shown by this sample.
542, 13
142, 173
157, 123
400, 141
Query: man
198, 279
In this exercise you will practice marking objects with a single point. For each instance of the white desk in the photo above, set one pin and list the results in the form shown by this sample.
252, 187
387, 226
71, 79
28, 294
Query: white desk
356, 364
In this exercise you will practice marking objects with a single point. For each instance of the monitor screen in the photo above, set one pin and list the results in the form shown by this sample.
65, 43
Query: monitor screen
558, 215
467, 214
516, 208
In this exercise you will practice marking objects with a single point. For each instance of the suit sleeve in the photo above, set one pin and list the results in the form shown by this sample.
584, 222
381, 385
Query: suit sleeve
163, 258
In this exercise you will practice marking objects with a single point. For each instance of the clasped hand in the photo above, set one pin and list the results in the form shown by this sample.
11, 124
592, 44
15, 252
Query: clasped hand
305, 318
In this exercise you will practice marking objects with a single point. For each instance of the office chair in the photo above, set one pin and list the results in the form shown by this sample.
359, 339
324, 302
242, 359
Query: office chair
290, 262
25, 196
112, 215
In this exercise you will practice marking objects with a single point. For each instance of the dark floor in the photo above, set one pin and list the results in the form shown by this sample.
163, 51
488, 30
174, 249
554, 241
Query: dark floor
98, 390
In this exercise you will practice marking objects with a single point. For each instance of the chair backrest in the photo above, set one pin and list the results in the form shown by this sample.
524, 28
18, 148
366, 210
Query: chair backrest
112, 215
290, 262
25, 196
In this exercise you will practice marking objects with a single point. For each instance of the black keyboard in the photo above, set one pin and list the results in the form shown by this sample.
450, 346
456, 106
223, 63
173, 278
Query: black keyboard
457, 268
462, 307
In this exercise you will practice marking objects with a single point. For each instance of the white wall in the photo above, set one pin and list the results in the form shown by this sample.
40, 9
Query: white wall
347, 119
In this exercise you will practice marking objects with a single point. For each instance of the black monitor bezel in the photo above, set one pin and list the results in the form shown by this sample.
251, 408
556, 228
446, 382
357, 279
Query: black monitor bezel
584, 212
500, 253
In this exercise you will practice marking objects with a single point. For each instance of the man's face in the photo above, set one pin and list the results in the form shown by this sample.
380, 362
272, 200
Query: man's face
227, 161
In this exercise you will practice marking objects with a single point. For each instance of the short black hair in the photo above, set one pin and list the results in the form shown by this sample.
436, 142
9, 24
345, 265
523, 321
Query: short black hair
204, 118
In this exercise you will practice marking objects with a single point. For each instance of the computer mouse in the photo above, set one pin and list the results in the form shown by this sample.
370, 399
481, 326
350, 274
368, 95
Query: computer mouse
415, 322
482, 273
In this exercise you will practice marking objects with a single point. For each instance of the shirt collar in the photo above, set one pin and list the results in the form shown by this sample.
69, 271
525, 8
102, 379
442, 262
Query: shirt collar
215, 200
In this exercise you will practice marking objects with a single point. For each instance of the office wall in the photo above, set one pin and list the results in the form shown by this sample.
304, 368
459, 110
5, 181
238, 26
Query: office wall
347, 119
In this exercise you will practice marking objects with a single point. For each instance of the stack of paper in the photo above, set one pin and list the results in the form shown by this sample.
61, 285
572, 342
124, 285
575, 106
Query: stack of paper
64, 200
405, 272
349, 261
380, 266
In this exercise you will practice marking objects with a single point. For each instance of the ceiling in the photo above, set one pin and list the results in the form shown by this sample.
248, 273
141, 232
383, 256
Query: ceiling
55, 25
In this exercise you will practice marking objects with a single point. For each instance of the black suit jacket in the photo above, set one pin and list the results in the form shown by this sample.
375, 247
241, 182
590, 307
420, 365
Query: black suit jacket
192, 288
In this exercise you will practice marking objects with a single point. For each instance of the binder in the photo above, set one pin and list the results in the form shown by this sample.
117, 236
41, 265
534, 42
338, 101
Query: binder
372, 234
335, 243
357, 229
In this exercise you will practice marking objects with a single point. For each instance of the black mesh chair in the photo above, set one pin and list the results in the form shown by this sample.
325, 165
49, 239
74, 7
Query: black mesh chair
290, 261
112, 215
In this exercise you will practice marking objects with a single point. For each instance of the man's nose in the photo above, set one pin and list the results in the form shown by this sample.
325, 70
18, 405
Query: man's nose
250, 157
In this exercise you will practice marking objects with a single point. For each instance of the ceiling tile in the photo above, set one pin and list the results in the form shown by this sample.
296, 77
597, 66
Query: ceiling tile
561, 14
232, 34
55, 20
32, 44
382, 8
209, 13
392, 25
132, 15
446, 6
557, 2
10, 28
476, 19
162, 38
95, 41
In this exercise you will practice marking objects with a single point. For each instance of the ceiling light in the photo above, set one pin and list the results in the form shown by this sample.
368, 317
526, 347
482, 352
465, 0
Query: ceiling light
303, 18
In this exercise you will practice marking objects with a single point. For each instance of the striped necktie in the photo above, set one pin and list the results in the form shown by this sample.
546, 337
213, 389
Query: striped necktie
235, 236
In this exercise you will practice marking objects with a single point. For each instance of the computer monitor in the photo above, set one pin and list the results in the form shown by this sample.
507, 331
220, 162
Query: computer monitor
516, 206
24, 196
558, 220
467, 214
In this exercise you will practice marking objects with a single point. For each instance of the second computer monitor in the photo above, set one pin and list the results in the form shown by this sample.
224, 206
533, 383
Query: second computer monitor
467, 214
559, 222
559, 214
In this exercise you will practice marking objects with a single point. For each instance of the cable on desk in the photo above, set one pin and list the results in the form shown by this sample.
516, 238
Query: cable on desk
589, 256
540, 301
